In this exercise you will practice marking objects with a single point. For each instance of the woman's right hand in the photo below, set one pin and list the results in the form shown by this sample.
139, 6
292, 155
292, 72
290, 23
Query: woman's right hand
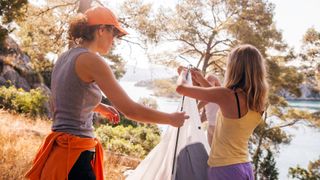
178, 118
197, 76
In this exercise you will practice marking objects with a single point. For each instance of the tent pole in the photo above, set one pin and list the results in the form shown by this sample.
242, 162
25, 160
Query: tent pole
178, 132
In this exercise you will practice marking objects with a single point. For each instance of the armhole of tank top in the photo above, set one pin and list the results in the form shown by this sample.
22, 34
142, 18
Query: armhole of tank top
238, 104
73, 64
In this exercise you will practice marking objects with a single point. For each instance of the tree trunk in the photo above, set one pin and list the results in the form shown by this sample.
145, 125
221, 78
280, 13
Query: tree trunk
84, 5
206, 62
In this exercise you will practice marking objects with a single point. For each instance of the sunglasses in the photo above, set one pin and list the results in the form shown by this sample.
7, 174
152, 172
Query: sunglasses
114, 30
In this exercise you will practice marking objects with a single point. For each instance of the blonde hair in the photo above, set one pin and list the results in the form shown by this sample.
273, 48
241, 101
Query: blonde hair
246, 70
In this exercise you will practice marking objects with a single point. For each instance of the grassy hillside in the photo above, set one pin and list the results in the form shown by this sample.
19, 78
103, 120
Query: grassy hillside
21, 137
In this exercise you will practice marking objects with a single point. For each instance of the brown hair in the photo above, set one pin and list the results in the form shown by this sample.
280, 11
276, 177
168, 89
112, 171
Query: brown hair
246, 70
79, 29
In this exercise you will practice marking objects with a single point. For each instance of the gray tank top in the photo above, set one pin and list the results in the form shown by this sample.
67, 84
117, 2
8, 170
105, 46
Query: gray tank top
73, 100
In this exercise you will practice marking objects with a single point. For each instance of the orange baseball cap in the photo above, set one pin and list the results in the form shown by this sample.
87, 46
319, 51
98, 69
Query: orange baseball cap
101, 15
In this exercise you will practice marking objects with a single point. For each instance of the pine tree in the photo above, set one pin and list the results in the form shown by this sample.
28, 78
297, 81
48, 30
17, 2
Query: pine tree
268, 169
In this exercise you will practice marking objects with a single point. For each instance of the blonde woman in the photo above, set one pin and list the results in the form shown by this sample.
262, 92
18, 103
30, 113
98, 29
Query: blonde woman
242, 100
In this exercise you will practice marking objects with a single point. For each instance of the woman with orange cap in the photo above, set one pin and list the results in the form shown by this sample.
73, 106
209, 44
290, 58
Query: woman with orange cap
78, 78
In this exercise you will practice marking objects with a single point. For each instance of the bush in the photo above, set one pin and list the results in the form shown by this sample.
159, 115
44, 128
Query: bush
19, 101
310, 173
132, 141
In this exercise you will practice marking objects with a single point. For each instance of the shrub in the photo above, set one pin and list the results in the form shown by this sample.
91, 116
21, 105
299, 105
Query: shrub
132, 141
19, 101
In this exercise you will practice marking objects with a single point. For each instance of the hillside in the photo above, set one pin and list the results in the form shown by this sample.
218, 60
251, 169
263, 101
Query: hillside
21, 137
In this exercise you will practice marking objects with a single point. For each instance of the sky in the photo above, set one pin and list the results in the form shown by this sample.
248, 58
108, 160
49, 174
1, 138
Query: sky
294, 17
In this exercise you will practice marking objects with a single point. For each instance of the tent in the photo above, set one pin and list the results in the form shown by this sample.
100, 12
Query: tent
180, 155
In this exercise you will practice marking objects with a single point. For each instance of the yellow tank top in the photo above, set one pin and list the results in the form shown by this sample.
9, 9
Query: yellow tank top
230, 139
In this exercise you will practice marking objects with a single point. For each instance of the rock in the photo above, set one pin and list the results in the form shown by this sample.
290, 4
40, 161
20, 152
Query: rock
9, 74
16, 58
15, 68
3, 81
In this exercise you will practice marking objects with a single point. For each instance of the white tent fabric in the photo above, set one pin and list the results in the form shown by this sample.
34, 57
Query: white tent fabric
191, 156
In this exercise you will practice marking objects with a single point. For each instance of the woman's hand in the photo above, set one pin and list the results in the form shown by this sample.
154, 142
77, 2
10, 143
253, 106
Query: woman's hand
182, 76
181, 68
197, 77
213, 80
109, 112
178, 118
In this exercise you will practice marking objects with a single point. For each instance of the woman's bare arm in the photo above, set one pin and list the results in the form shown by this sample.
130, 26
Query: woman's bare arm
93, 68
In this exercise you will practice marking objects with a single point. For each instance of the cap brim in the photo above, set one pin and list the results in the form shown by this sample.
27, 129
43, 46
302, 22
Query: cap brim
122, 32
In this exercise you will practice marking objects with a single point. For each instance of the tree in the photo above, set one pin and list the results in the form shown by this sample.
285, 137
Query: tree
44, 31
311, 48
9, 11
268, 169
311, 173
310, 55
205, 31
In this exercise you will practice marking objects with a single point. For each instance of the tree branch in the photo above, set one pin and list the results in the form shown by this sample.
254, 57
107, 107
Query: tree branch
185, 41
136, 43
56, 6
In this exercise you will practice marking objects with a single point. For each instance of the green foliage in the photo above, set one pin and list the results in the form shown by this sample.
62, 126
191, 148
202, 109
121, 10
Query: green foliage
117, 64
283, 78
9, 10
12, 9
17, 100
40, 35
310, 56
129, 137
311, 48
132, 141
45, 31
311, 173
205, 30
268, 169
43, 68
254, 25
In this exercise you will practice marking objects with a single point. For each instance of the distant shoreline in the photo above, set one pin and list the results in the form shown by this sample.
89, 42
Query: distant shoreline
304, 99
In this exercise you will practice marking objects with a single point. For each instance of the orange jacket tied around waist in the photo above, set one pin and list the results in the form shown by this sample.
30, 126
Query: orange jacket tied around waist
59, 153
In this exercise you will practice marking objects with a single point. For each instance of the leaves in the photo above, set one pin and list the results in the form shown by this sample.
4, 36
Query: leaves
311, 173
132, 141
31, 103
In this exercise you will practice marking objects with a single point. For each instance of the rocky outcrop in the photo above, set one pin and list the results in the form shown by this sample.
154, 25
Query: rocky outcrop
15, 68
308, 92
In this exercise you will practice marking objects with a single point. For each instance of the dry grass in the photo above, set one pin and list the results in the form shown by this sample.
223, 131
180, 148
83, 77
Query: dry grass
116, 165
20, 139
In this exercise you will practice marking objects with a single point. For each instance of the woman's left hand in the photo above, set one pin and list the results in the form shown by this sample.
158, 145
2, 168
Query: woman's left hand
182, 76
110, 113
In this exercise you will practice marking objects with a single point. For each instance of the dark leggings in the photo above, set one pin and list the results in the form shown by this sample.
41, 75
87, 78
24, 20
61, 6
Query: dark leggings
82, 169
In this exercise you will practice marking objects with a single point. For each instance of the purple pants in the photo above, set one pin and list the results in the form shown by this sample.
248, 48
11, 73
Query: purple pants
241, 171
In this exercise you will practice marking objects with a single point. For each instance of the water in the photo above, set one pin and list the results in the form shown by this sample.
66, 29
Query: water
305, 144
305, 105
